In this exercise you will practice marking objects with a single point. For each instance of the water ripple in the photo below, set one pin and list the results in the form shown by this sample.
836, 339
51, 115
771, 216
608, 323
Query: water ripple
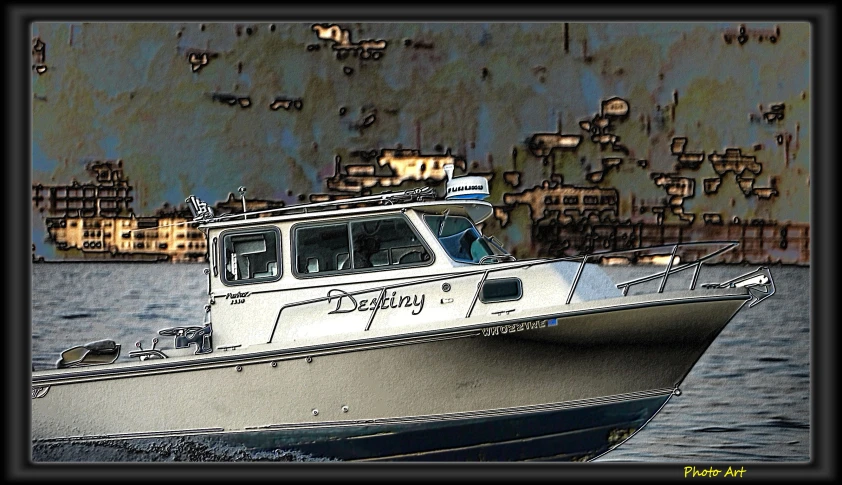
716, 429
75, 316
784, 422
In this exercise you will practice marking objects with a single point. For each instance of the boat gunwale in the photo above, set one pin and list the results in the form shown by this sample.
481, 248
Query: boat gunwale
49, 377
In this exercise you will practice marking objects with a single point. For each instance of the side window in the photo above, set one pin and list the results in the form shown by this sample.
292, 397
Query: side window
382, 243
322, 248
251, 256
386, 242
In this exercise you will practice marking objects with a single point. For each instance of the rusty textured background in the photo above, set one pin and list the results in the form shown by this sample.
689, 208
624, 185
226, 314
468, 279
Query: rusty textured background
128, 91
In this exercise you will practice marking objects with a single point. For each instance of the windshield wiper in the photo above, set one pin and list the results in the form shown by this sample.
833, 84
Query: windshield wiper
441, 225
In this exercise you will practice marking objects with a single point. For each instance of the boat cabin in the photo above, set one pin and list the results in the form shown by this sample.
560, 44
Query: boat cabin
249, 251
264, 266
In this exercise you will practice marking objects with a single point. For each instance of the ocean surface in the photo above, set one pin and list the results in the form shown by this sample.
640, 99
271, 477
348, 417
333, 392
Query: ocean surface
746, 400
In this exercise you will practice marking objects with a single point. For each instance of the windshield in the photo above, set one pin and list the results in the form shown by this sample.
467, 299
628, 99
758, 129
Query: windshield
462, 241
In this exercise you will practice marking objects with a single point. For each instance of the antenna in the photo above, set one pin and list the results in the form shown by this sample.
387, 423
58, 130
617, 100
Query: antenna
242, 190
448, 170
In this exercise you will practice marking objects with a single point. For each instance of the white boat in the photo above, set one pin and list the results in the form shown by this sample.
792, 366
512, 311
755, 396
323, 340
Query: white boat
388, 327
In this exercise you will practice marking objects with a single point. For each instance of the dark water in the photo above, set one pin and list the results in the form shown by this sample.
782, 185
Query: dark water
747, 399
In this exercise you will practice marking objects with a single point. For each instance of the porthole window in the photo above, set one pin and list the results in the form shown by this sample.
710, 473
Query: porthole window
501, 289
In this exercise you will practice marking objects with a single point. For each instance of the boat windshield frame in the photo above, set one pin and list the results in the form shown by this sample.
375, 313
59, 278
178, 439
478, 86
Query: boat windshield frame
474, 240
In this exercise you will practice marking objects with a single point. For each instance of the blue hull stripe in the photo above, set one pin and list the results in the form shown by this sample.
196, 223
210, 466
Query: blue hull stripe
564, 434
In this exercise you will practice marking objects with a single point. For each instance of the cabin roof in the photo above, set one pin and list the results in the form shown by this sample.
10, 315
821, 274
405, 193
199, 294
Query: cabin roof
476, 210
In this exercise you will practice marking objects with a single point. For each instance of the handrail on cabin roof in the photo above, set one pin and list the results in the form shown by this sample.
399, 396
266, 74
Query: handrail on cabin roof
412, 195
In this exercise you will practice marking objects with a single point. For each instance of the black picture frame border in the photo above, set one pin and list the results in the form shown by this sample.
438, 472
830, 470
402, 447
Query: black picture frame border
821, 16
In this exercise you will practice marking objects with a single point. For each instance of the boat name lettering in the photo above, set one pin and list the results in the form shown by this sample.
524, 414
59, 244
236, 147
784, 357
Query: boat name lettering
346, 303
237, 298
513, 327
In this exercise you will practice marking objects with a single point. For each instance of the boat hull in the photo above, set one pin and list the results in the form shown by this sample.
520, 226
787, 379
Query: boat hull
552, 378
575, 431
